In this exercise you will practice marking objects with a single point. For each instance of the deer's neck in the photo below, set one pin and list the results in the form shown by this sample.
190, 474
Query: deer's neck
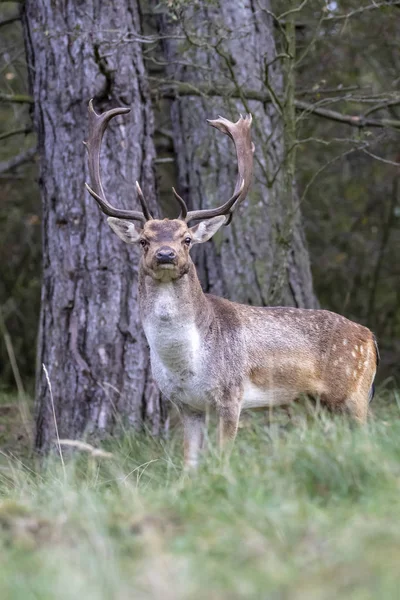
174, 315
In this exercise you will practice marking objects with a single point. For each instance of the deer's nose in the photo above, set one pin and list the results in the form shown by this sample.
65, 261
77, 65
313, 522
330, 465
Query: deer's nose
165, 255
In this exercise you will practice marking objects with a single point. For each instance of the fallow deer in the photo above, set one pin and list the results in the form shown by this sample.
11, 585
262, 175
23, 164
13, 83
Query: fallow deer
208, 353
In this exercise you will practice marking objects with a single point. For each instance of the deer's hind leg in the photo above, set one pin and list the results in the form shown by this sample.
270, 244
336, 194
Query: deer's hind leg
356, 405
357, 402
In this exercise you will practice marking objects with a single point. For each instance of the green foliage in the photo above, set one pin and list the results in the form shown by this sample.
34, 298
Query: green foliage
306, 509
350, 208
20, 250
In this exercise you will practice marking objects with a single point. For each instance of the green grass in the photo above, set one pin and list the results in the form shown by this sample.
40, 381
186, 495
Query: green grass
308, 508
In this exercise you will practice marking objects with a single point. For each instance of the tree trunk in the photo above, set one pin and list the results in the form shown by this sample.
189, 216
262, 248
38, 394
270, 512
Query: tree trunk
261, 258
90, 338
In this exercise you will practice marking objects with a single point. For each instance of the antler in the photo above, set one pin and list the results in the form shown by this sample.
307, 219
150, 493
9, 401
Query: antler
182, 204
240, 133
97, 126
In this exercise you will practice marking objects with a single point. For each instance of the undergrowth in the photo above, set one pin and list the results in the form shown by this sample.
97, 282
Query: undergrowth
308, 507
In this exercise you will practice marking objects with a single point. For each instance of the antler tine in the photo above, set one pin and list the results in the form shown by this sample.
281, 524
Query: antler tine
97, 126
143, 203
182, 204
240, 133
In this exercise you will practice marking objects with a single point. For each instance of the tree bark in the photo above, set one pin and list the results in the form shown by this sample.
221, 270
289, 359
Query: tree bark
90, 338
261, 258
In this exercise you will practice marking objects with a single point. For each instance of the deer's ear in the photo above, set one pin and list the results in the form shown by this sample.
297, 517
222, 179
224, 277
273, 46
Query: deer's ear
126, 230
204, 230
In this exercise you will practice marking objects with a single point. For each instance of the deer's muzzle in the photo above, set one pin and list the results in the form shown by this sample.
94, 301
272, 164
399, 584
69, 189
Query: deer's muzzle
166, 256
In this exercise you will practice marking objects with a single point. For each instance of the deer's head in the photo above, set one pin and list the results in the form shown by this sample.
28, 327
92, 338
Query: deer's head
166, 243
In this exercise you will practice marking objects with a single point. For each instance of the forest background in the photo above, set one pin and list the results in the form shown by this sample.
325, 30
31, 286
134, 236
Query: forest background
326, 105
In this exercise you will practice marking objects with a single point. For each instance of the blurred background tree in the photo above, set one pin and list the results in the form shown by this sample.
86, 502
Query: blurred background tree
20, 251
347, 107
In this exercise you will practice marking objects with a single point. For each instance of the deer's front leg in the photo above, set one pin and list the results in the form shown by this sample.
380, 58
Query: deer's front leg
228, 413
193, 436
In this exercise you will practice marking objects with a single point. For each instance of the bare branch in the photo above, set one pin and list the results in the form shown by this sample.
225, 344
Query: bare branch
361, 9
311, 44
15, 161
384, 160
95, 452
382, 105
16, 98
182, 63
321, 169
9, 20
292, 11
162, 161
175, 89
11, 132
359, 121
133, 37
336, 90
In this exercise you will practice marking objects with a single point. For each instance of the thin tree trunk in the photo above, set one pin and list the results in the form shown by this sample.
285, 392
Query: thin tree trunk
261, 258
90, 339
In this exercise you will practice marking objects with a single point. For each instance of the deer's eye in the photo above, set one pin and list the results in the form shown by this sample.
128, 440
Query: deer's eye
188, 241
144, 243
